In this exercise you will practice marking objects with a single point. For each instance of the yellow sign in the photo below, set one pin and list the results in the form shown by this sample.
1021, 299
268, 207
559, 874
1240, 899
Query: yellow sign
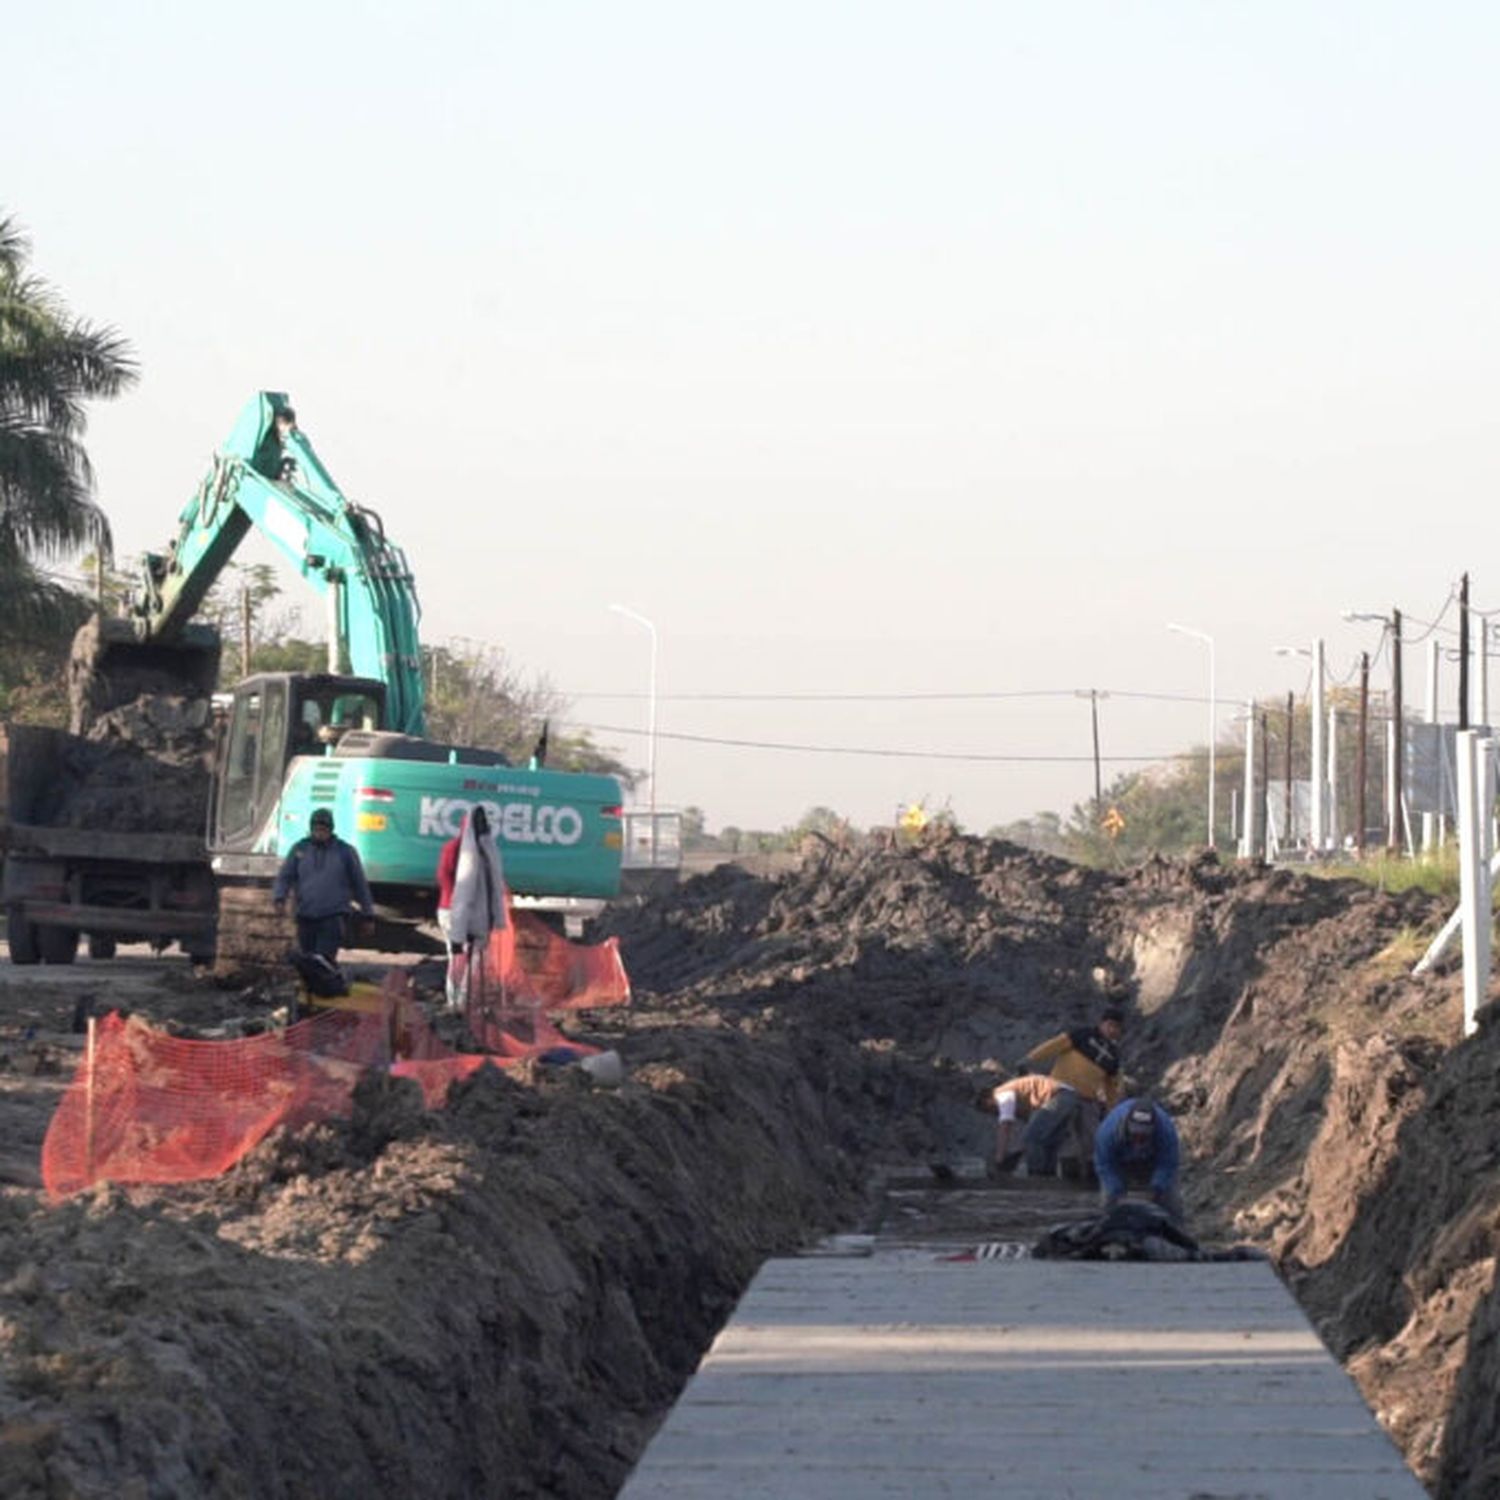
1113, 823
914, 819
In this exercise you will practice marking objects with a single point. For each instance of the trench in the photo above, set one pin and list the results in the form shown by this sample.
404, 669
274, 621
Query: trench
503, 1298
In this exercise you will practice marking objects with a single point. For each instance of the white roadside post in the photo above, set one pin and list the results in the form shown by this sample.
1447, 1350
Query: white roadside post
1247, 817
1315, 769
1392, 811
1332, 780
1430, 821
1475, 804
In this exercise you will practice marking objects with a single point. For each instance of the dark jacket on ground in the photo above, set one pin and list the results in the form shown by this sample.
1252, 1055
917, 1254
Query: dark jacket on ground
327, 878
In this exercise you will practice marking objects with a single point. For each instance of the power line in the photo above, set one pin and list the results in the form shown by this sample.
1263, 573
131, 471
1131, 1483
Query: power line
954, 697
889, 754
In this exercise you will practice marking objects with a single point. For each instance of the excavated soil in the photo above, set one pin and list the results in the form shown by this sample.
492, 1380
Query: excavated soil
501, 1298
142, 756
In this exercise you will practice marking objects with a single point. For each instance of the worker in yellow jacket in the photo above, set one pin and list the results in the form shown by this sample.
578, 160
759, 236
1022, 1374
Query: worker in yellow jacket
1087, 1061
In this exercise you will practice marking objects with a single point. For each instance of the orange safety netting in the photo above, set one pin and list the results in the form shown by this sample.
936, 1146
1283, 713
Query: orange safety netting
145, 1106
534, 966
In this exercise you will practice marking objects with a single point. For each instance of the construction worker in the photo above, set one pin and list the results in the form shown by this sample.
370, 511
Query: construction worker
1087, 1059
1137, 1146
483, 909
328, 878
1017, 1100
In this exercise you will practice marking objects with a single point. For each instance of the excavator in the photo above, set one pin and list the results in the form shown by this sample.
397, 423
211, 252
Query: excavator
351, 739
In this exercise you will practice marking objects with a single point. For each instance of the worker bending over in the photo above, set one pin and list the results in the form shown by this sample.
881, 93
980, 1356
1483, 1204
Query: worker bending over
1137, 1147
1018, 1100
1087, 1059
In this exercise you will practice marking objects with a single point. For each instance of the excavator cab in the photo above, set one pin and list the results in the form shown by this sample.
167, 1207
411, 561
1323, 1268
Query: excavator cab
273, 718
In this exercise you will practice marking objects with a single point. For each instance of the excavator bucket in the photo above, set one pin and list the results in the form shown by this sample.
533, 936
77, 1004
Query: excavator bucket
111, 666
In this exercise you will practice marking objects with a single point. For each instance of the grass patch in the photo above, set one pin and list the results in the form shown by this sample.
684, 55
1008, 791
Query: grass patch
1400, 955
1437, 874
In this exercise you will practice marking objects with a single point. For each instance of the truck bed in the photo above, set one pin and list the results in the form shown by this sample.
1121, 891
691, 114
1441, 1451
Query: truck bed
90, 844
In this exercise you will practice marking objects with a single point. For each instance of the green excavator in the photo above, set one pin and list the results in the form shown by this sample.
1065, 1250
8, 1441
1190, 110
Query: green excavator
351, 739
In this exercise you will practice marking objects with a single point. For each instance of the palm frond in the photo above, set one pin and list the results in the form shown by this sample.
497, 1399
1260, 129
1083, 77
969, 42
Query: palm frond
33, 609
46, 484
51, 363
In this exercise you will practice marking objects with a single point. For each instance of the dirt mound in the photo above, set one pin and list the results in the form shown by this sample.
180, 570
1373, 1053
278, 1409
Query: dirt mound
502, 1297
143, 769
142, 761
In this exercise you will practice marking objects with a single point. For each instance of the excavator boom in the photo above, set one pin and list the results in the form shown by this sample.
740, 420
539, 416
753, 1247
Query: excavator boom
268, 477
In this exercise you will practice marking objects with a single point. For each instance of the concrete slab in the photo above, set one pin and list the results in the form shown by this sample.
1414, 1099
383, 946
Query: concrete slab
906, 1375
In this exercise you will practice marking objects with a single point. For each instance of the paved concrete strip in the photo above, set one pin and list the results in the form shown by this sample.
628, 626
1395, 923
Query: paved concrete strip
905, 1375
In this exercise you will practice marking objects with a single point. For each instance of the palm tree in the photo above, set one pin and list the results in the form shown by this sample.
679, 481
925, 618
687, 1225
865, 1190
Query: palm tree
50, 364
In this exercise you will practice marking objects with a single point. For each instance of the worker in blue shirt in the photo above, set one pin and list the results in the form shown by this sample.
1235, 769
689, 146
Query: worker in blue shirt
1137, 1147
328, 878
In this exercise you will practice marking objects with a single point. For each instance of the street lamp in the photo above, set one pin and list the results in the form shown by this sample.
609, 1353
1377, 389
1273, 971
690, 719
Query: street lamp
640, 619
1213, 715
1395, 808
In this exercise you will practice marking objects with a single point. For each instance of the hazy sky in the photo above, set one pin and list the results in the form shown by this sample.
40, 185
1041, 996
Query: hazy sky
864, 348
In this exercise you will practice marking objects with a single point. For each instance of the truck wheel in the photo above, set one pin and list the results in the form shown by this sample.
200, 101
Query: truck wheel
21, 935
59, 945
101, 945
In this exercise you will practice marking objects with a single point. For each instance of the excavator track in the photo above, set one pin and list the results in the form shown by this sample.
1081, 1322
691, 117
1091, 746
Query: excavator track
253, 937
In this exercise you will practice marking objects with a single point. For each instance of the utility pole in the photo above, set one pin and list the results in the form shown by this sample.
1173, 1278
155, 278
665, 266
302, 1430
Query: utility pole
1361, 767
1321, 779
1098, 784
1398, 732
1331, 824
1247, 806
244, 630
1431, 822
1463, 652
1291, 710
1265, 788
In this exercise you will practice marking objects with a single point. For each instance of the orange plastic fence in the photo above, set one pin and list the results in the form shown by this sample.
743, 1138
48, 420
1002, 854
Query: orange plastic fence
147, 1107
533, 966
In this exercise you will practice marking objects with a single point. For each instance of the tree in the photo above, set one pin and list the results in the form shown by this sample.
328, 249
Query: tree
476, 697
824, 821
50, 364
1042, 831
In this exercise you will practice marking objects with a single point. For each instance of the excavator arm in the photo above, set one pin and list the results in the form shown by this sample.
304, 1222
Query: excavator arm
268, 477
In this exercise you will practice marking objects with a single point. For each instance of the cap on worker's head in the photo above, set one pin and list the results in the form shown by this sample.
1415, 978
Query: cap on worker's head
1114, 1013
1140, 1123
321, 818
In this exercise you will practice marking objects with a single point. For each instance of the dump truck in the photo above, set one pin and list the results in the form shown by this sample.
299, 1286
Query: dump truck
65, 876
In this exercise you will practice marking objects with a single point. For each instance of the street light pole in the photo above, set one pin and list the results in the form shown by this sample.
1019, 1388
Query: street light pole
1392, 627
1213, 715
1321, 782
640, 619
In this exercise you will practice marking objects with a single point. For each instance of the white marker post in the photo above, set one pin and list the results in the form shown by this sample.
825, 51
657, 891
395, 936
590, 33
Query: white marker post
1318, 834
1247, 816
1475, 806
1331, 781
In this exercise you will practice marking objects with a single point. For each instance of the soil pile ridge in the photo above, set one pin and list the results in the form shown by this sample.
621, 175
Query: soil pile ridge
502, 1297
